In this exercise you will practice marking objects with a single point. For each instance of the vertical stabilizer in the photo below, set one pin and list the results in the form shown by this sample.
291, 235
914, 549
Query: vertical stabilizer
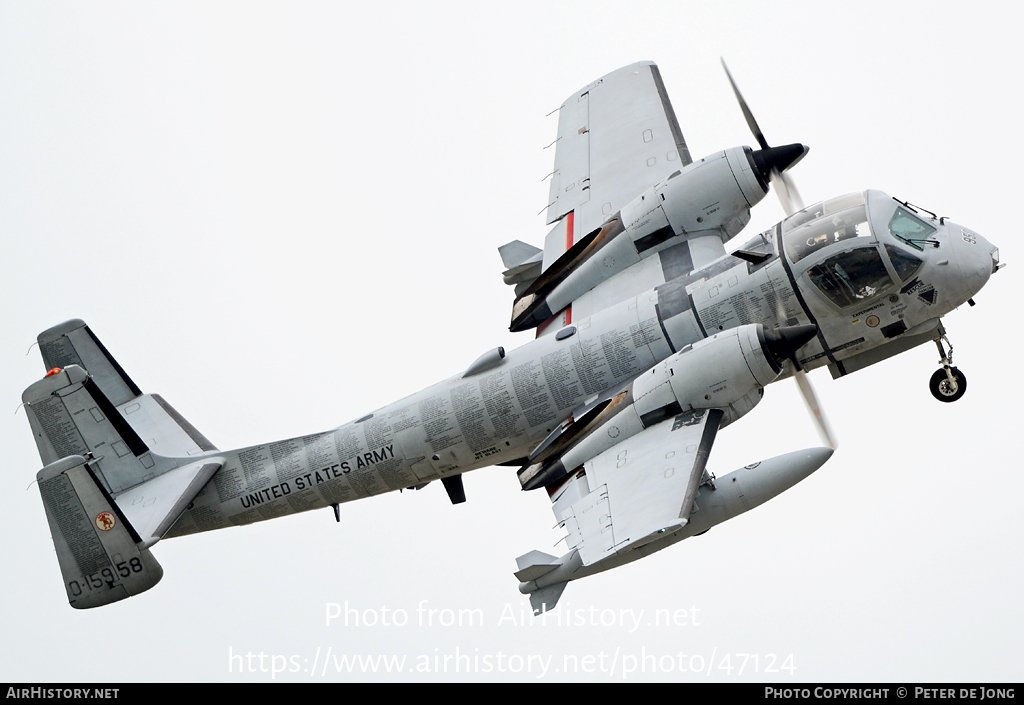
97, 548
545, 599
152, 419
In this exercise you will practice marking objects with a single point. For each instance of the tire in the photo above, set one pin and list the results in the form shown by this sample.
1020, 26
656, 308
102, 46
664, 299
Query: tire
943, 390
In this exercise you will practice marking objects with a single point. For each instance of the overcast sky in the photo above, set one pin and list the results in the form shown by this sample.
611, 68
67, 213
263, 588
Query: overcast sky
282, 216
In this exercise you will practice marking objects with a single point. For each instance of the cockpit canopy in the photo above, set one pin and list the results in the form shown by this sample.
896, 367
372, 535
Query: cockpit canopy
878, 237
826, 223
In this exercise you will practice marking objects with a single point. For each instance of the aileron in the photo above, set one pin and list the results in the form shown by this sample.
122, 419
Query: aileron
615, 136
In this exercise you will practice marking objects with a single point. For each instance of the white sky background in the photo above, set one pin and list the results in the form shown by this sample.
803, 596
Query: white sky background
282, 216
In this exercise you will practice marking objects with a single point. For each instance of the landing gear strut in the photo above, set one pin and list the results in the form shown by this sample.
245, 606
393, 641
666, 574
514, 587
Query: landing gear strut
949, 383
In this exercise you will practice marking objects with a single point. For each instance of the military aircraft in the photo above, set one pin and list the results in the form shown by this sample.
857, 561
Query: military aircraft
649, 337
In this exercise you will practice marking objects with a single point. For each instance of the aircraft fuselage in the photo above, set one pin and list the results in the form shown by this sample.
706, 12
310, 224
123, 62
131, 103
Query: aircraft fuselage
500, 414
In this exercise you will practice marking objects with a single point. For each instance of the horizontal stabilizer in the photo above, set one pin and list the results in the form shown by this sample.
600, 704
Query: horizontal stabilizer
97, 548
535, 564
70, 415
545, 599
154, 506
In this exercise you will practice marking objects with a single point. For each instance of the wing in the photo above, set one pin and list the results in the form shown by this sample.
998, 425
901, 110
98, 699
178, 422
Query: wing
633, 493
616, 137
640, 489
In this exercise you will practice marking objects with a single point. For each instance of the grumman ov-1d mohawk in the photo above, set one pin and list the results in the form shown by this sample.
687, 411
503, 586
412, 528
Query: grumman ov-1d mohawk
650, 337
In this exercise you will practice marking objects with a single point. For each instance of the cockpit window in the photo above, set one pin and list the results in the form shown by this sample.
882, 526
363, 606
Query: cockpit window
909, 229
904, 263
832, 205
828, 228
851, 277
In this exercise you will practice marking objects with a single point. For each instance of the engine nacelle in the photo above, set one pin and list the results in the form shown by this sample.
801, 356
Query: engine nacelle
712, 196
724, 371
710, 374
706, 203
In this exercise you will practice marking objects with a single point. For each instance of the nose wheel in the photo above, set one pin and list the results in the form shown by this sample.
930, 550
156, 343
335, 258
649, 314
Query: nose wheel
947, 384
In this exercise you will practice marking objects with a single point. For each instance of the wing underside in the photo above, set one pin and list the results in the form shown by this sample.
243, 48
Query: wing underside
638, 490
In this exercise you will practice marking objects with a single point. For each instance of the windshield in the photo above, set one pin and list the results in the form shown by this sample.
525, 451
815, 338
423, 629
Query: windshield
910, 229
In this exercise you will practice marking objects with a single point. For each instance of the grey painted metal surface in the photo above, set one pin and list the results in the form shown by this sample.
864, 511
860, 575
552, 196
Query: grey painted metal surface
101, 558
672, 339
614, 134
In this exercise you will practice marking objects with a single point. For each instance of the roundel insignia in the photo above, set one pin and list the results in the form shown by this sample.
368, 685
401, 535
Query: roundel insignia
105, 521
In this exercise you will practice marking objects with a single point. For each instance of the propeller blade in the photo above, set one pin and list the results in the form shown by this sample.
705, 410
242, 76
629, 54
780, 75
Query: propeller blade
811, 399
747, 115
777, 160
781, 189
785, 189
794, 195
787, 340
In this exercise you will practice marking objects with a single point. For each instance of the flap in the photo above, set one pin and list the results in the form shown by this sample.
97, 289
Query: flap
616, 137
644, 486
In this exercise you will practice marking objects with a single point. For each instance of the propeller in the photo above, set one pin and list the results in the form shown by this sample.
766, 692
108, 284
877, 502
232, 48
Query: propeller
811, 399
803, 383
783, 343
773, 161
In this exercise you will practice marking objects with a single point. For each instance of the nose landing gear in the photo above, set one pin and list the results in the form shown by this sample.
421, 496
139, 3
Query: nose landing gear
947, 384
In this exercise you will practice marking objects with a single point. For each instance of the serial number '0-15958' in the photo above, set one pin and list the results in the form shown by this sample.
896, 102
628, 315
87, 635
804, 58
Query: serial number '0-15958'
105, 577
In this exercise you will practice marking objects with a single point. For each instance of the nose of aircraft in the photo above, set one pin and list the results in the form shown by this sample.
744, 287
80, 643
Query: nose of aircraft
976, 258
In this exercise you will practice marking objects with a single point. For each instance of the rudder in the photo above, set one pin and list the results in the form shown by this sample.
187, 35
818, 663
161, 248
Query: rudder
97, 549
